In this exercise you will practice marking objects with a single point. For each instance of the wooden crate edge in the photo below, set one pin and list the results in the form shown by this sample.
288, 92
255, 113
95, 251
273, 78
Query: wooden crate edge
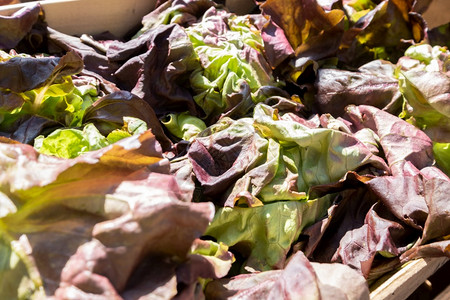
405, 281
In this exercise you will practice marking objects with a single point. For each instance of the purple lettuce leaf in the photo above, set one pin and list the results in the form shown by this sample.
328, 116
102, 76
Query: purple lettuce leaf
94, 60
182, 12
269, 158
387, 215
312, 31
20, 74
156, 66
434, 249
30, 128
433, 242
299, 279
381, 233
258, 167
405, 199
403, 144
355, 33
107, 114
356, 230
219, 157
374, 84
276, 46
91, 222
437, 224
344, 216
15, 27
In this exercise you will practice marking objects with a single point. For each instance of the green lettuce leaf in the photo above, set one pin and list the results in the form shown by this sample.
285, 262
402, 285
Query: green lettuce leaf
356, 9
183, 126
441, 153
231, 53
230, 70
108, 113
425, 85
70, 142
184, 13
131, 126
205, 253
62, 102
264, 235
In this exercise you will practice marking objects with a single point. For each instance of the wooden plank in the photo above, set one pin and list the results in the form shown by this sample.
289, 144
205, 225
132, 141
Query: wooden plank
404, 282
118, 16
76, 17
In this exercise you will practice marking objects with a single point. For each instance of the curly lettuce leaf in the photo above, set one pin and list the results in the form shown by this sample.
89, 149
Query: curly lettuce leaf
224, 60
156, 67
386, 216
70, 142
230, 49
263, 169
318, 156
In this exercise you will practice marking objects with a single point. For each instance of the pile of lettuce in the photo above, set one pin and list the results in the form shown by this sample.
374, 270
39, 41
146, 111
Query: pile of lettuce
299, 151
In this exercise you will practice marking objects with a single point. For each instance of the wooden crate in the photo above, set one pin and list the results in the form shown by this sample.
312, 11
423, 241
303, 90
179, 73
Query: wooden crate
76, 17
408, 278
118, 16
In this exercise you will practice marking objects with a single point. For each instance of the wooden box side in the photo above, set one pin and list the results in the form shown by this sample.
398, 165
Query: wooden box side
76, 17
